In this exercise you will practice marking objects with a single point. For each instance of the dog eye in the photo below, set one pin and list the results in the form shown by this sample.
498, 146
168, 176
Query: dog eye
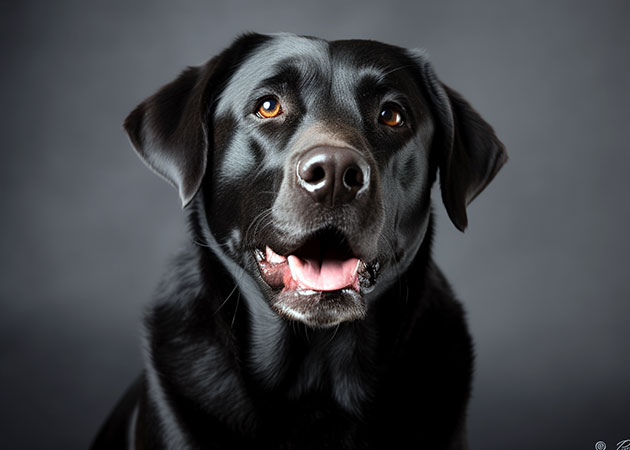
391, 116
269, 108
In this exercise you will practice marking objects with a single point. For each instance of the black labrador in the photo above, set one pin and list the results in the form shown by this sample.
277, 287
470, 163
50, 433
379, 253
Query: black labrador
306, 312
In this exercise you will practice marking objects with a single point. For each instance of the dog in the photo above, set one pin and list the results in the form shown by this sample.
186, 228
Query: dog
306, 311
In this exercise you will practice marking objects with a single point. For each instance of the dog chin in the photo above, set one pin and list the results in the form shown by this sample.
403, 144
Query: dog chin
320, 309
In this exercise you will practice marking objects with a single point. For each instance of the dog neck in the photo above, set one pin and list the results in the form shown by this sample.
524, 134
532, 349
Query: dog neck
279, 360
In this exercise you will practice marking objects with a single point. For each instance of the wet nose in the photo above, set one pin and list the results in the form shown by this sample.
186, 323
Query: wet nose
333, 175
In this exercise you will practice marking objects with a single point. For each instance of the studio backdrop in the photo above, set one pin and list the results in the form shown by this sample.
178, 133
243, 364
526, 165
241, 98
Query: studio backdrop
87, 231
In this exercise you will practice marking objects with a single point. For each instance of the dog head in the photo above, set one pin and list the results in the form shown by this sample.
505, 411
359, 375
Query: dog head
311, 164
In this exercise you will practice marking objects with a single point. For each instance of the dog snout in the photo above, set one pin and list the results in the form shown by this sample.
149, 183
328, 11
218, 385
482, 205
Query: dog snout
333, 175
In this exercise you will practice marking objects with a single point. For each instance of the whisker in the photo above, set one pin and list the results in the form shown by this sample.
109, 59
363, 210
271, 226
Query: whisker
396, 69
238, 301
200, 244
261, 216
308, 338
228, 297
392, 252
334, 334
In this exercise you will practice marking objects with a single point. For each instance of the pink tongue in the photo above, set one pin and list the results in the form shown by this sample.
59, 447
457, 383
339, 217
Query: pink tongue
329, 275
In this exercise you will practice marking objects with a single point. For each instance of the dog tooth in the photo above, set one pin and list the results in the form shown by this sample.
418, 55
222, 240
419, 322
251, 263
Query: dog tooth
273, 257
356, 268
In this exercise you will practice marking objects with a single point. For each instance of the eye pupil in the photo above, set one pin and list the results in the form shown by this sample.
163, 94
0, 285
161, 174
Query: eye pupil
391, 117
269, 108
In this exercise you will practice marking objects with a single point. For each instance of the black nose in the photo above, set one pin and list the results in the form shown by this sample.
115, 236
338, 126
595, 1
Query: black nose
333, 175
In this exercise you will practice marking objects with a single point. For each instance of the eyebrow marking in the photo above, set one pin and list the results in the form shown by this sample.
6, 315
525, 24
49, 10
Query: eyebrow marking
263, 64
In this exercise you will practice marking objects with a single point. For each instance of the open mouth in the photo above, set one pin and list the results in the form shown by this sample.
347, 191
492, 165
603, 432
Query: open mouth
323, 263
320, 282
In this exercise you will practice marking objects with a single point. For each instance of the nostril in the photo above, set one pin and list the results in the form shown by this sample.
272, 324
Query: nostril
353, 177
316, 174
312, 172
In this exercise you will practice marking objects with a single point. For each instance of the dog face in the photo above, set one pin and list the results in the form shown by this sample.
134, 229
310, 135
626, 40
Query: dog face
311, 164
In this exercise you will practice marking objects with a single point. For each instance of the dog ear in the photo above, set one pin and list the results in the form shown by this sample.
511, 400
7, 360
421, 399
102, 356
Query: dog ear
169, 129
470, 154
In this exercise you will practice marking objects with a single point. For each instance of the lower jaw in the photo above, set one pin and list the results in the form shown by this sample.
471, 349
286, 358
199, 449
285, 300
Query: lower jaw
320, 309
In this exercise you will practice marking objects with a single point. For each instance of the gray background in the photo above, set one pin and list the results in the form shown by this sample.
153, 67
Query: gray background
87, 230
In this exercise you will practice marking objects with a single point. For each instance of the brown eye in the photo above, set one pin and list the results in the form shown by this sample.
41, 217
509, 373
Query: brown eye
269, 108
391, 116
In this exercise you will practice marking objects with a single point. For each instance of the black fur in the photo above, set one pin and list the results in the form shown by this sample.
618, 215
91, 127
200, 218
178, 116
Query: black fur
233, 361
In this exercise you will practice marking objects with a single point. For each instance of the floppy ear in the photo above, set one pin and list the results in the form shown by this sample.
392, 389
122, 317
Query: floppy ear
469, 152
169, 129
